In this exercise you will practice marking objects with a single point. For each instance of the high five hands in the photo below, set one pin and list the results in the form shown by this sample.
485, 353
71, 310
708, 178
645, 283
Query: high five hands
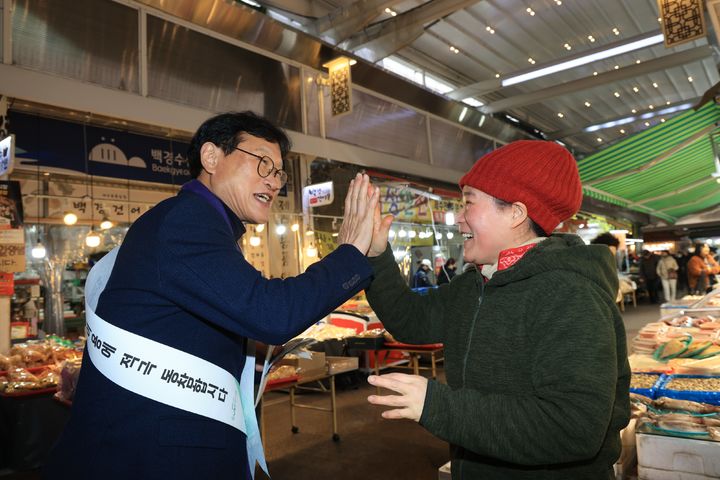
364, 227
362, 224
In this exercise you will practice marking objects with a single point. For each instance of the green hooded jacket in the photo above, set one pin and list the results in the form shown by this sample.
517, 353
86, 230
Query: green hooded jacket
535, 361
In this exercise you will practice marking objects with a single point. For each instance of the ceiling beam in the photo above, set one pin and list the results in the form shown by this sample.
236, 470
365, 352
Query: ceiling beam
347, 20
640, 115
385, 38
659, 159
632, 71
487, 86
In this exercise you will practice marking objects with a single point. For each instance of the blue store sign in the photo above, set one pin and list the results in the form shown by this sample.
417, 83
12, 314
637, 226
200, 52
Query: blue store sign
97, 151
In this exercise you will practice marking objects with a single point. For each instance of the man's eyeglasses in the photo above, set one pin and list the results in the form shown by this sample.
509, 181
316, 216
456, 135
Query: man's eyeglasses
266, 167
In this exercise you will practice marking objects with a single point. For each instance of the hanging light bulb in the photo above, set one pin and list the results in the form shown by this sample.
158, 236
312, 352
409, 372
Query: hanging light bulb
106, 224
412, 234
438, 235
450, 235
311, 251
309, 232
391, 234
281, 229
260, 227
254, 241
402, 233
38, 251
295, 227
70, 218
93, 239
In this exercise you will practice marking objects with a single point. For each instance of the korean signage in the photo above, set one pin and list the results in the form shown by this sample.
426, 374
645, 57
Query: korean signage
12, 250
105, 152
318, 194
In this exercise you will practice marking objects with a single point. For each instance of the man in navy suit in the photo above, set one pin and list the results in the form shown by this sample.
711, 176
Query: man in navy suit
180, 280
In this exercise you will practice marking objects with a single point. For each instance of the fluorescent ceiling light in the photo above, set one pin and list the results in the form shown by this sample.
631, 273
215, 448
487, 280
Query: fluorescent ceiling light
644, 116
593, 57
462, 114
473, 102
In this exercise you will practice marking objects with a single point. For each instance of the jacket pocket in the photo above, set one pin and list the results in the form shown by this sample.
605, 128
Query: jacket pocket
182, 431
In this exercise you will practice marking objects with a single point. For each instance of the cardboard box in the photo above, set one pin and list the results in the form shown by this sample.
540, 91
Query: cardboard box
337, 365
625, 466
662, 457
307, 367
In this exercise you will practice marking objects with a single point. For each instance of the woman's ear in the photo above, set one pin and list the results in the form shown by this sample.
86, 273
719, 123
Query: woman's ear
209, 157
519, 214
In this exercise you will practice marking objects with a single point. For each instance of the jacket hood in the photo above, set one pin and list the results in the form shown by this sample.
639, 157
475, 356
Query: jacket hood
565, 252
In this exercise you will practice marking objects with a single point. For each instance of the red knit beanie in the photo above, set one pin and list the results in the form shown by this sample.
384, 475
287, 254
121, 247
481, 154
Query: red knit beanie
542, 175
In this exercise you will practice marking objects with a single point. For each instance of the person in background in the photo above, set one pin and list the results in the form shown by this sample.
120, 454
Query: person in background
608, 239
682, 257
612, 243
700, 270
447, 272
648, 274
534, 344
667, 270
422, 276
180, 305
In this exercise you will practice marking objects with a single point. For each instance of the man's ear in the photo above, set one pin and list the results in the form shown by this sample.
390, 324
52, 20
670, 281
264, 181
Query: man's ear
519, 214
209, 157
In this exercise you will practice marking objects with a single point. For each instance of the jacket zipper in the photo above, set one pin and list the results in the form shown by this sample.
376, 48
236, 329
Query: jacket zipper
472, 329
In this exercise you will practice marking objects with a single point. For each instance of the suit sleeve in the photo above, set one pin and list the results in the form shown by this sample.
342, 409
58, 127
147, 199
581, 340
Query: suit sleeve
203, 271
411, 318
569, 409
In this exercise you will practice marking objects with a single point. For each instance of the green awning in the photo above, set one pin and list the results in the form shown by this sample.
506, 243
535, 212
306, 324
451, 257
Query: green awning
665, 170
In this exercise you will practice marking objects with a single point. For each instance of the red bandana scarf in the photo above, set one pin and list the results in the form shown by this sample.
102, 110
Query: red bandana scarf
511, 256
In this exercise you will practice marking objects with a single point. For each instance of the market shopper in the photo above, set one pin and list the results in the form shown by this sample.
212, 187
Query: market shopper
701, 269
649, 278
150, 403
535, 348
667, 270
613, 243
447, 272
422, 275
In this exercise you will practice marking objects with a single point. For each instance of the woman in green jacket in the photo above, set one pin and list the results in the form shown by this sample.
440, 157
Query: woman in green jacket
535, 349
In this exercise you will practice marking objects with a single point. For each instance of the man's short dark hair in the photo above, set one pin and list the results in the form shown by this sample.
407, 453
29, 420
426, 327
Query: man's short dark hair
227, 130
606, 239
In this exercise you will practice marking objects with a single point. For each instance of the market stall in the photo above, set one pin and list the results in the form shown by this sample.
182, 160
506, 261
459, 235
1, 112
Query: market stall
675, 391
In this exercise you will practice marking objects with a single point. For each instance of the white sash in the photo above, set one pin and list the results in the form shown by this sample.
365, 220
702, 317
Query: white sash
169, 375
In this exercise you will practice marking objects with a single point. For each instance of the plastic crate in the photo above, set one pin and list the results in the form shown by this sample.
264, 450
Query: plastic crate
662, 390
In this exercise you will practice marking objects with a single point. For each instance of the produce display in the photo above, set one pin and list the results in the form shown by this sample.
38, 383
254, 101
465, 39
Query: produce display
706, 384
674, 417
35, 365
642, 380
676, 365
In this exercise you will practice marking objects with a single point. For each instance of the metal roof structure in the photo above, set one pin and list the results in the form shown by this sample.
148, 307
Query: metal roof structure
618, 114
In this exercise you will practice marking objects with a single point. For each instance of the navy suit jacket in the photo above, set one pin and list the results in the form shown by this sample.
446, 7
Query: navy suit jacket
180, 279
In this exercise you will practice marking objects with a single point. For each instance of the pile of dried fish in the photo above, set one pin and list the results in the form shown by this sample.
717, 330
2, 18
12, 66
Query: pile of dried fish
674, 417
